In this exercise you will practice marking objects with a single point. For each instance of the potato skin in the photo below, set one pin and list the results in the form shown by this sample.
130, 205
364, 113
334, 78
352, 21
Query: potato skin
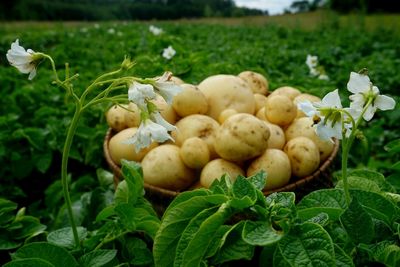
287, 91
241, 137
119, 150
279, 109
216, 168
257, 82
260, 101
190, 101
166, 110
304, 127
227, 91
163, 167
276, 164
194, 152
277, 136
302, 97
115, 118
226, 114
304, 156
196, 125
132, 116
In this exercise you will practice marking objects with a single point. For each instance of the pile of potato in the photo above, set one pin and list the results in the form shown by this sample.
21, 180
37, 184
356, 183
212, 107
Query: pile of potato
226, 124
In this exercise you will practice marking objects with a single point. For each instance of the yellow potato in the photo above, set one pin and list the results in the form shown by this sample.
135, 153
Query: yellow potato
280, 110
166, 111
277, 138
260, 101
115, 118
304, 127
120, 150
303, 154
258, 83
132, 116
276, 164
226, 114
190, 101
287, 91
194, 152
177, 80
241, 137
216, 168
196, 125
163, 167
227, 91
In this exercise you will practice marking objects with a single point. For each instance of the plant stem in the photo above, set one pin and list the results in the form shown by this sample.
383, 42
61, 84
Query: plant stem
64, 174
345, 154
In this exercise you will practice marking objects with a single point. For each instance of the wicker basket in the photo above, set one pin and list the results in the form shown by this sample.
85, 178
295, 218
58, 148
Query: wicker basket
160, 197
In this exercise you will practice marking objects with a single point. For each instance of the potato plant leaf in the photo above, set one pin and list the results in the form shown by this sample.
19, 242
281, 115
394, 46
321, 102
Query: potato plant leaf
132, 173
260, 233
258, 179
341, 258
29, 263
97, 258
64, 237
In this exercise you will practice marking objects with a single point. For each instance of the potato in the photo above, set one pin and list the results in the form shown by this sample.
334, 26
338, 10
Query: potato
190, 101
261, 115
176, 80
303, 154
163, 167
227, 91
304, 127
196, 125
302, 97
119, 150
241, 137
258, 83
132, 116
166, 110
115, 118
226, 114
276, 164
288, 91
194, 152
279, 109
260, 101
277, 136
216, 168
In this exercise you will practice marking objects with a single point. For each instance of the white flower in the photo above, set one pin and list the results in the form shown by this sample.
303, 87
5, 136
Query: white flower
328, 114
111, 31
362, 89
155, 30
323, 77
139, 94
148, 132
312, 61
166, 88
157, 118
168, 52
24, 60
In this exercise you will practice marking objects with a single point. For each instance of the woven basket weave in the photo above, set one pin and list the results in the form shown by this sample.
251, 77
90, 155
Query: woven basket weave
160, 197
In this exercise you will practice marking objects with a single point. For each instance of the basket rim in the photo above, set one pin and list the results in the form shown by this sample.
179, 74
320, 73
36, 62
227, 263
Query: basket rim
171, 193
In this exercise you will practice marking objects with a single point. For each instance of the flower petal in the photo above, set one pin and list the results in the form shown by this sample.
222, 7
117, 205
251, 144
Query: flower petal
358, 83
308, 108
384, 102
332, 99
369, 113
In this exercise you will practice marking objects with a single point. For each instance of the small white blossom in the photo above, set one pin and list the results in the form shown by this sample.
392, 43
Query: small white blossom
167, 88
157, 118
24, 60
139, 94
323, 77
315, 70
362, 89
168, 52
327, 111
96, 26
312, 61
155, 30
111, 31
148, 132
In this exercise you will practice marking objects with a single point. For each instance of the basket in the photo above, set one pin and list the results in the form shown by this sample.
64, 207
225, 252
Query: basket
160, 197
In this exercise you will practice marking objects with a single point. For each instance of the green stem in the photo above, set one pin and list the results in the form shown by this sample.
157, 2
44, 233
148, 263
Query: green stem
87, 91
64, 174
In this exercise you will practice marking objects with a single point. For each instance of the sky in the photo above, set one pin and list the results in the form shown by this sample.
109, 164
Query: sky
273, 6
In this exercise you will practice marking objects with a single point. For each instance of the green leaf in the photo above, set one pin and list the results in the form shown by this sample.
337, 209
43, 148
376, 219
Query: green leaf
358, 223
329, 201
30, 226
283, 199
6, 211
218, 239
136, 251
64, 237
190, 231
97, 258
307, 244
29, 263
233, 247
105, 213
393, 146
243, 188
260, 233
186, 195
55, 255
258, 180
360, 183
224, 183
132, 173
376, 177
341, 258
127, 215
43, 160
321, 219
105, 178
197, 247
175, 220
386, 253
